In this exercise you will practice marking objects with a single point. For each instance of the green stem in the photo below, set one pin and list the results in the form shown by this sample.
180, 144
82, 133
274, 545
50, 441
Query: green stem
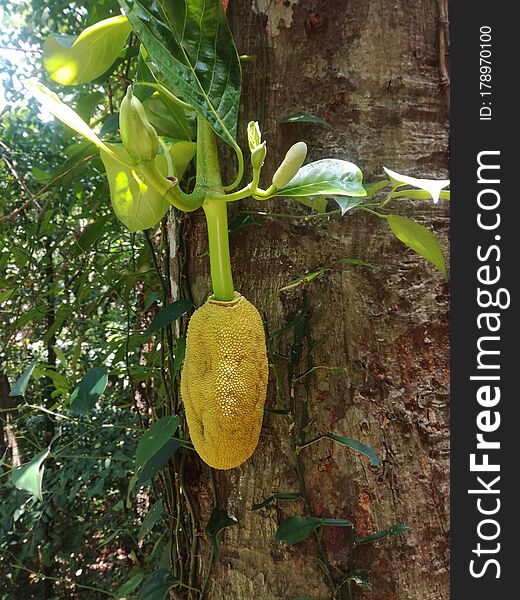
209, 181
240, 169
265, 194
220, 262
239, 195
373, 212
170, 189
177, 101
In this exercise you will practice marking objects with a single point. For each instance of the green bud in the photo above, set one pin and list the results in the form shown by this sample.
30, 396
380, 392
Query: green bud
254, 137
258, 156
291, 164
137, 133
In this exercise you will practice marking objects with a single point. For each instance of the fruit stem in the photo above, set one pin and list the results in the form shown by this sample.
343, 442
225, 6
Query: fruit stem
209, 180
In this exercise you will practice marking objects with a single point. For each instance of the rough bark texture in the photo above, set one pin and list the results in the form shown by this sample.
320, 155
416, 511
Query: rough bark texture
371, 69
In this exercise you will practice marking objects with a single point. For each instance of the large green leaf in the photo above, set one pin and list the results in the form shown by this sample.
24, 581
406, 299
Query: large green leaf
192, 46
136, 204
328, 177
419, 239
73, 59
29, 478
89, 390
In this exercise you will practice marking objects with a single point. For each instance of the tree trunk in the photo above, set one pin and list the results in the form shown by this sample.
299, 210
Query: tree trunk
373, 70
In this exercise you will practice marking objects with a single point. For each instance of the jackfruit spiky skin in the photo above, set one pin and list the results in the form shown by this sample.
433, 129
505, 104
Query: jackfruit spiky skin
224, 381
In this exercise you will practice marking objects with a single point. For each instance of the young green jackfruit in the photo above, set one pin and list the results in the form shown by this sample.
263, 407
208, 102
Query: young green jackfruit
224, 381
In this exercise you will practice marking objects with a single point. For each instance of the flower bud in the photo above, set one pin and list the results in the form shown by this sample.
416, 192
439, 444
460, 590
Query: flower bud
137, 133
258, 156
291, 164
254, 137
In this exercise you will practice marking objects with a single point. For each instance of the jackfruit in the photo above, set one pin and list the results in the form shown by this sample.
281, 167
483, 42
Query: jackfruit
224, 381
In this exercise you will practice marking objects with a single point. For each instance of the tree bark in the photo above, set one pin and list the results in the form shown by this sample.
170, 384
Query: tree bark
373, 70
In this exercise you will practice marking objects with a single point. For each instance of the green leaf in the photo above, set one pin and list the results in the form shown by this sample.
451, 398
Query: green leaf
276, 411
151, 299
152, 516
304, 118
168, 315
297, 529
180, 352
277, 496
29, 478
328, 177
86, 105
143, 74
360, 577
373, 188
129, 586
355, 445
110, 124
167, 118
90, 235
337, 523
50, 101
192, 46
432, 186
316, 203
40, 175
418, 195
182, 153
242, 222
71, 60
218, 521
158, 461
136, 204
89, 390
155, 438
419, 239
5, 294
346, 203
20, 385
398, 529
157, 585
